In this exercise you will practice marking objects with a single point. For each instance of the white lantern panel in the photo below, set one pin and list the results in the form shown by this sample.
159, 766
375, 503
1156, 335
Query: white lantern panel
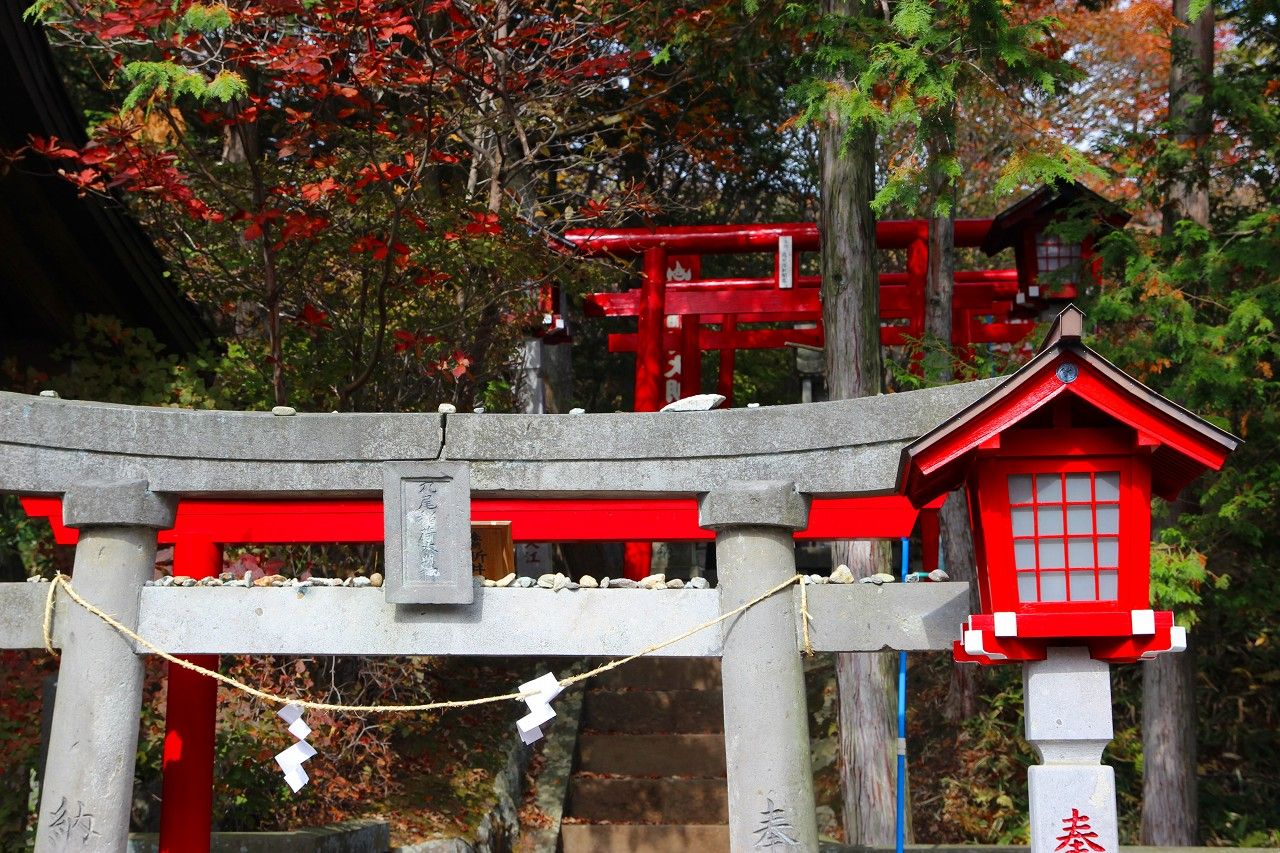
1053, 586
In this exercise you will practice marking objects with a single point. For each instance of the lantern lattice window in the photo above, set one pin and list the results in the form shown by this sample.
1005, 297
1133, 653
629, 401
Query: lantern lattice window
1066, 544
1053, 254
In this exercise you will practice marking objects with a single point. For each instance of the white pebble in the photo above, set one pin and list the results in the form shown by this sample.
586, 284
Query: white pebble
446, 408
842, 574
508, 580
698, 583
675, 583
283, 411
588, 582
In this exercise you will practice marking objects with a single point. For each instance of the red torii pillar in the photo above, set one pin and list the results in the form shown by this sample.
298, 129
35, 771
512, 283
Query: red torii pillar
191, 717
637, 557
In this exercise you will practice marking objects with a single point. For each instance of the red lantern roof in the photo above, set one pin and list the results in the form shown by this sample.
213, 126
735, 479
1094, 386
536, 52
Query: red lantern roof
1182, 445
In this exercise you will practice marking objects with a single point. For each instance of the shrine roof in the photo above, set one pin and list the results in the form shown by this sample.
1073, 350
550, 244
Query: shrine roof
1047, 201
1183, 444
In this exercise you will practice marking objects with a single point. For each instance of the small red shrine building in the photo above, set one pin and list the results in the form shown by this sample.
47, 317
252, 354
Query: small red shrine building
1059, 464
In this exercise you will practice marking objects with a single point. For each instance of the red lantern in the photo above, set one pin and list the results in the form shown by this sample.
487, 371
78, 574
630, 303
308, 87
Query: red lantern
1050, 267
1060, 463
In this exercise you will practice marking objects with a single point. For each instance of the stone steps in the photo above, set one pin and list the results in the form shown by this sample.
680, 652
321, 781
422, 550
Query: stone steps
650, 764
653, 711
664, 800
655, 673
607, 838
686, 755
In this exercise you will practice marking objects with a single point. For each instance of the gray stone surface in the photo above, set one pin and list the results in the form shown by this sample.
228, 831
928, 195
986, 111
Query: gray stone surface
866, 618
350, 836
88, 778
1068, 706
168, 433
124, 503
1066, 798
843, 447
765, 715
427, 517
21, 615
502, 621
852, 617
772, 503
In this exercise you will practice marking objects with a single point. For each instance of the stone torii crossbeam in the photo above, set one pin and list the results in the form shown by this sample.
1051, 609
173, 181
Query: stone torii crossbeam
119, 471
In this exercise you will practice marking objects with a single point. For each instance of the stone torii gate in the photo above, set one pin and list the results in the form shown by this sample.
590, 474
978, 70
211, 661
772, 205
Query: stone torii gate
119, 471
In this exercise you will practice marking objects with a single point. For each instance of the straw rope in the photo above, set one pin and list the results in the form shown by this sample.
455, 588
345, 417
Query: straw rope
61, 581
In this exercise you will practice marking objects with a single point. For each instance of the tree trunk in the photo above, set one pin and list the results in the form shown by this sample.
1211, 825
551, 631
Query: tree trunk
1190, 71
850, 278
851, 316
1169, 800
866, 685
957, 557
1169, 751
940, 288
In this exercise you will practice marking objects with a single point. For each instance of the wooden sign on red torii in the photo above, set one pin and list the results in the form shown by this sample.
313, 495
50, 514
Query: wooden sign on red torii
675, 312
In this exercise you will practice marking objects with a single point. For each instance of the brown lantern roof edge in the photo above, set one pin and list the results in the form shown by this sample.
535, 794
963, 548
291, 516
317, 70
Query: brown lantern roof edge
1047, 199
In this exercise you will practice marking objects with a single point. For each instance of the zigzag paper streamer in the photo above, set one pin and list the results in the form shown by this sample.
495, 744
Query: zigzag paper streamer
291, 759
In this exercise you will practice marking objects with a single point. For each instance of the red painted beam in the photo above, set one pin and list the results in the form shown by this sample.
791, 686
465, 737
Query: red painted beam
964, 334
736, 239
896, 301
229, 522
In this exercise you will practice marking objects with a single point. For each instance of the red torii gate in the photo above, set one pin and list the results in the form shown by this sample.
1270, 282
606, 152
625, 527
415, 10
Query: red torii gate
785, 297
203, 527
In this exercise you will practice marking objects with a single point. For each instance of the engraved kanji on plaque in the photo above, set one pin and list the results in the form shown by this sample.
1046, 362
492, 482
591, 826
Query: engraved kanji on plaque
427, 515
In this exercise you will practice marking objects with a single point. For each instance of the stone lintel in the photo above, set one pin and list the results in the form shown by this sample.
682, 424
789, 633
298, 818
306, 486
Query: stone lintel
762, 503
846, 617
124, 503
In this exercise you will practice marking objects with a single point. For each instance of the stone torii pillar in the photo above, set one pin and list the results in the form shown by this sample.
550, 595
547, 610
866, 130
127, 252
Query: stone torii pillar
88, 776
765, 716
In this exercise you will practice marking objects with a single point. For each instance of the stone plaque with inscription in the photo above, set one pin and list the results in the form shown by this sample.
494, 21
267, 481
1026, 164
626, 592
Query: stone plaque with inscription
426, 508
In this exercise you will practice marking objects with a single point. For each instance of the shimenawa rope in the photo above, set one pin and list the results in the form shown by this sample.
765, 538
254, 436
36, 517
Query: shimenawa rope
60, 580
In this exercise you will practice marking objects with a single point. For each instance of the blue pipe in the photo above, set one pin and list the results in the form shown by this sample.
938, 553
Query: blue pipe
900, 822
